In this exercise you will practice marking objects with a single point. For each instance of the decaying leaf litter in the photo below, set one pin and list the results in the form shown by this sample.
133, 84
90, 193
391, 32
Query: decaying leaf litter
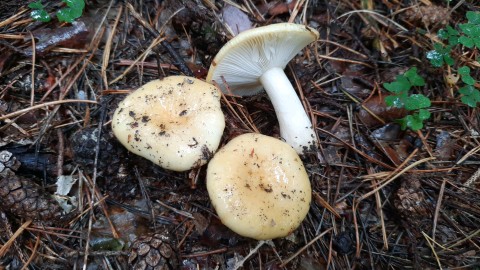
383, 198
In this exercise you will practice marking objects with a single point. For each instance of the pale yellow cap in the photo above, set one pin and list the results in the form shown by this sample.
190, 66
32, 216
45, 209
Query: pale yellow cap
176, 122
259, 187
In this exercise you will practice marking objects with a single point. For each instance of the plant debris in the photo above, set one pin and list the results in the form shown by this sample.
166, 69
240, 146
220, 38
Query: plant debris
383, 197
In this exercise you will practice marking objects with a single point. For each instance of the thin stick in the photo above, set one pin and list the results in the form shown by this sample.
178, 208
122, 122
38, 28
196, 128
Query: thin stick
138, 60
378, 201
362, 105
61, 152
471, 180
32, 85
46, 104
374, 14
12, 18
34, 254
178, 61
325, 204
295, 10
187, 234
467, 238
180, 212
468, 154
304, 247
394, 177
203, 254
10, 241
229, 105
430, 243
424, 141
437, 208
93, 189
344, 60
240, 263
344, 47
370, 159
108, 47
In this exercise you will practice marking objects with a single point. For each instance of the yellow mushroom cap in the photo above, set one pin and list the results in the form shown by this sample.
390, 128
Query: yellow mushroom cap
176, 122
259, 187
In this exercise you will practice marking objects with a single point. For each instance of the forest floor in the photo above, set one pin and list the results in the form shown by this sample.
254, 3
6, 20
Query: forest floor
393, 188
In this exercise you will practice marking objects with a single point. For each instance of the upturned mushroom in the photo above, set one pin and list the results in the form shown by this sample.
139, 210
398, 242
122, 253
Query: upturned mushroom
259, 187
255, 60
176, 122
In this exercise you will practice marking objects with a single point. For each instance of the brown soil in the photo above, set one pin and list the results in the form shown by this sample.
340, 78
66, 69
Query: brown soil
383, 197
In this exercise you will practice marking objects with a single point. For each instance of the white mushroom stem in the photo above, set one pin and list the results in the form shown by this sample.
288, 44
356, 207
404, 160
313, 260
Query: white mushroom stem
295, 125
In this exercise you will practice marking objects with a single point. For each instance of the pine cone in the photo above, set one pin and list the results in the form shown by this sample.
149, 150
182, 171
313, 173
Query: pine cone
25, 199
410, 201
84, 143
153, 253
112, 161
433, 16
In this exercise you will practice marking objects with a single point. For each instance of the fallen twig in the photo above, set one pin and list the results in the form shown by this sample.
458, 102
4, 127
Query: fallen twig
46, 104
179, 62
240, 263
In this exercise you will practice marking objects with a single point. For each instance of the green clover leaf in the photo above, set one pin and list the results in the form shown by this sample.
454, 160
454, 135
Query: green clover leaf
414, 78
412, 122
76, 7
465, 70
468, 79
36, 5
470, 95
401, 84
436, 58
465, 74
443, 34
470, 30
73, 11
38, 13
473, 17
440, 55
423, 114
416, 101
466, 41
66, 15
394, 101
415, 120
449, 34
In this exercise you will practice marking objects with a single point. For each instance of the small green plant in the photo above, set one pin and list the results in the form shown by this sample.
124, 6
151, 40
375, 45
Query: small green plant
471, 31
467, 36
415, 103
39, 13
72, 11
464, 73
440, 55
449, 34
470, 95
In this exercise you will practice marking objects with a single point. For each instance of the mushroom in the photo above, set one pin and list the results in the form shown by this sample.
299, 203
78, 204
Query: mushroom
259, 187
255, 59
177, 122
